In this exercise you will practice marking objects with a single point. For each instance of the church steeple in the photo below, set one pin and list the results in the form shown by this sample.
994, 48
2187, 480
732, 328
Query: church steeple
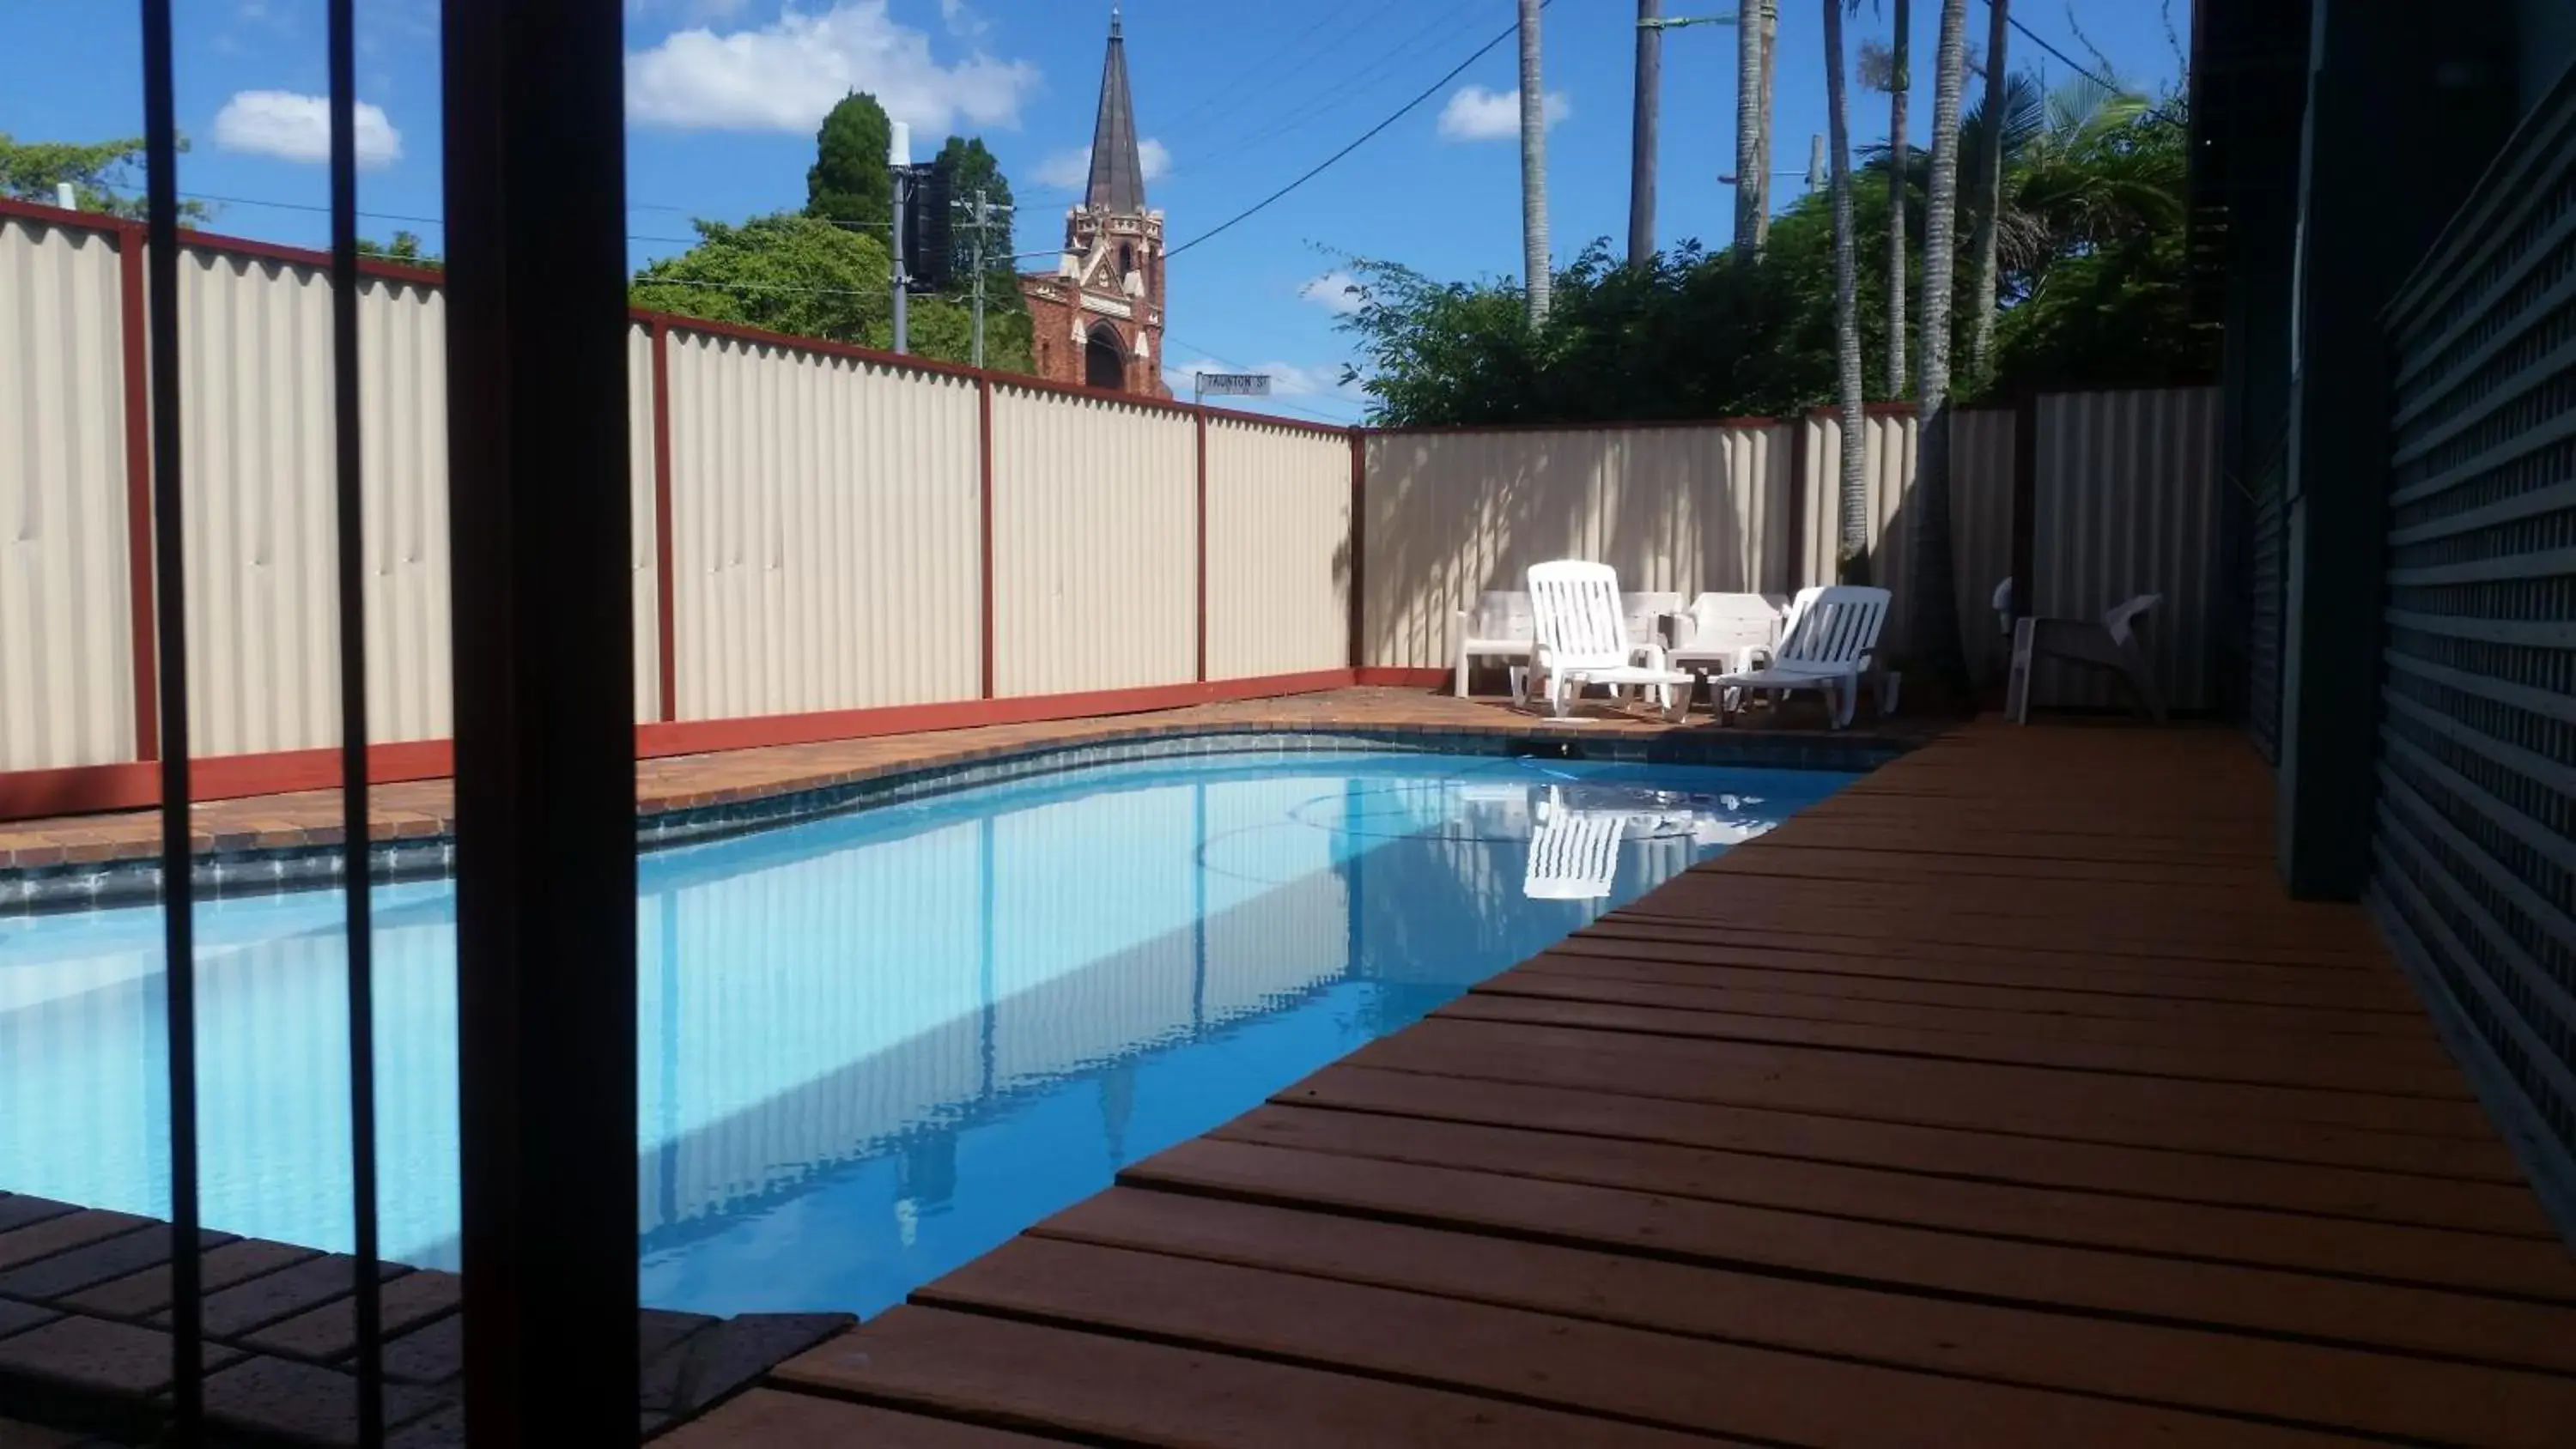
1117, 170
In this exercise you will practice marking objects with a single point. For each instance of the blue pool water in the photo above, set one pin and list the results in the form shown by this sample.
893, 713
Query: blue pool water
876, 1045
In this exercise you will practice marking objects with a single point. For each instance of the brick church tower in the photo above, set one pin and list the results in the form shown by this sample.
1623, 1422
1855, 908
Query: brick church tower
1097, 320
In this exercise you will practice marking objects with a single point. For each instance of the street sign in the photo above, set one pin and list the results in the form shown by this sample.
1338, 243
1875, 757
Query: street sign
1233, 384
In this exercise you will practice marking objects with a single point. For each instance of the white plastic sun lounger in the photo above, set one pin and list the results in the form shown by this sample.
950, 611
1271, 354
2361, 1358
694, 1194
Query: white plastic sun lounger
1832, 633
1583, 638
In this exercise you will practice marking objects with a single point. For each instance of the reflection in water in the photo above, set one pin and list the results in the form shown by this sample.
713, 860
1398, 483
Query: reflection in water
874, 1046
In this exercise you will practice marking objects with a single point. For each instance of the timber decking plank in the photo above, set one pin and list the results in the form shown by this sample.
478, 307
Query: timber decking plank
2318, 1386
2147, 1173
2428, 1257
1035, 1378
775, 1420
1534, 1358
2456, 1325
2027, 971
2276, 1122
2227, 1064
1981, 1010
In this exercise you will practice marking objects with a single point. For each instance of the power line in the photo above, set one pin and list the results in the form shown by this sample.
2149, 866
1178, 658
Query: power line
1326, 164
2105, 82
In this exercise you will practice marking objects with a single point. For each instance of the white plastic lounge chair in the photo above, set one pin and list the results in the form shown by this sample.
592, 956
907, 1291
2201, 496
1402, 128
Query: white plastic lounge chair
1727, 633
1583, 639
1574, 854
1497, 628
1832, 633
2110, 642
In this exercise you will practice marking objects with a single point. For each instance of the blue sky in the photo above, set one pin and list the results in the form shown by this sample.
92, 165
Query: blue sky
1237, 98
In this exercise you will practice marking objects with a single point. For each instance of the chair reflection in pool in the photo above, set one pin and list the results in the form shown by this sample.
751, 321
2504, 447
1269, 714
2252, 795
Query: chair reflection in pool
1574, 854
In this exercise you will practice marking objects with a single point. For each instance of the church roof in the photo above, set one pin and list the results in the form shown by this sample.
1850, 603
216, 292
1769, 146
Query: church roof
1117, 171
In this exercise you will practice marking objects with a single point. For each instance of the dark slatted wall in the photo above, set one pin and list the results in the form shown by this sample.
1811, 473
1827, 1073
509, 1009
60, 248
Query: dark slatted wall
2476, 847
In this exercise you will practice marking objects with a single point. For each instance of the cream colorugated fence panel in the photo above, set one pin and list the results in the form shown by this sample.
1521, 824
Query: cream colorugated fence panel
1094, 545
255, 404
1981, 530
1981, 517
2125, 502
1452, 514
643, 549
66, 619
1278, 550
825, 522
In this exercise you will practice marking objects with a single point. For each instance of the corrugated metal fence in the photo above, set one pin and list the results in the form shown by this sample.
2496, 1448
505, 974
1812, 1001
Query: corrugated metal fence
832, 531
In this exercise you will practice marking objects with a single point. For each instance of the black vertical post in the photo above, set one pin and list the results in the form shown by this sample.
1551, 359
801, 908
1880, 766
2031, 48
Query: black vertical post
2396, 97
354, 881
545, 738
169, 568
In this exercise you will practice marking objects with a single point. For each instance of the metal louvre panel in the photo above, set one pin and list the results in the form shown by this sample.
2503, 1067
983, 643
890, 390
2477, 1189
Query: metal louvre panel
2476, 851
2266, 585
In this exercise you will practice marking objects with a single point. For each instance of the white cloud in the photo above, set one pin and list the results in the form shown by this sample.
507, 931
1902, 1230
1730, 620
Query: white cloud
962, 21
1071, 170
1335, 292
785, 75
298, 128
1477, 114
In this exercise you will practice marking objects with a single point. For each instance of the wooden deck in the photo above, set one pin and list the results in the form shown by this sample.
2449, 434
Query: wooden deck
2002, 1099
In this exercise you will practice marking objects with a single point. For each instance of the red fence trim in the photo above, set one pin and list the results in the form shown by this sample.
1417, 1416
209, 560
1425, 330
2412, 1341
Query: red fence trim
143, 647
696, 737
1358, 535
88, 789
1201, 505
665, 585
984, 523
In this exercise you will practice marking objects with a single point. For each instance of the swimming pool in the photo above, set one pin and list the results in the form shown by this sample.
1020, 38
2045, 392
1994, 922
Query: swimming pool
873, 1046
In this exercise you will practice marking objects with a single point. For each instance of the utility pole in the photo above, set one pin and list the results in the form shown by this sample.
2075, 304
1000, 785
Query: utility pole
981, 218
1642, 147
899, 161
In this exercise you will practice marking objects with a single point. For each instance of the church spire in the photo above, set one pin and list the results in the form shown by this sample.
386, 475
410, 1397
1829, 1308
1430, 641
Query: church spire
1117, 171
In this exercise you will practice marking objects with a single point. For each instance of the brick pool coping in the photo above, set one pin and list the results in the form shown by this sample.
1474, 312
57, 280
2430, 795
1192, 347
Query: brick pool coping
268, 843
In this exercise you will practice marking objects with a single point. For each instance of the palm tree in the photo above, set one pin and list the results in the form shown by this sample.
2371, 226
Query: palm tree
1770, 13
1899, 79
1935, 612
1533, 167
1854, 551
1990, 191
1752, 185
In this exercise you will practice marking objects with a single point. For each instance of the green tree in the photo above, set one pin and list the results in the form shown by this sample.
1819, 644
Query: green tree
404, 248
97, 171
801, 276
786, 273
1008, 336
2089, 274
848, 182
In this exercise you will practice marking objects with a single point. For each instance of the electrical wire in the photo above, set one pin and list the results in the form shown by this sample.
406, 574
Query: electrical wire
1365, 137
